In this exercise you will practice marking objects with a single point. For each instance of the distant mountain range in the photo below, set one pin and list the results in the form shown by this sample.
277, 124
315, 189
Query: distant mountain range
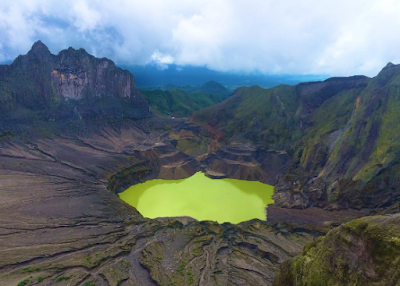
149, 76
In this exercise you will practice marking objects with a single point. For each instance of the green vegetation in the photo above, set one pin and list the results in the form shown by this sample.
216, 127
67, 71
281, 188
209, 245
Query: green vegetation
250, 112
30, 269
24, 282
191, 280
177, 102
117, 272
62, 278
387, 146
181, 268
345, 127
323, 123
196, 251
40, 279
188, 274
374, 242
215, 90
93, 261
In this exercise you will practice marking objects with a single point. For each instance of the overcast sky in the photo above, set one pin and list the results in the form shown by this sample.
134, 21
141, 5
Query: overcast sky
340, 37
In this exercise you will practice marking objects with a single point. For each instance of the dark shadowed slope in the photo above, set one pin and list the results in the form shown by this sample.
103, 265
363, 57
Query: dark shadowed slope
72, 85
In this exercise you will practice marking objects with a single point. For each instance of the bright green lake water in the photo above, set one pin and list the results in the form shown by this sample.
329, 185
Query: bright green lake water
221, 200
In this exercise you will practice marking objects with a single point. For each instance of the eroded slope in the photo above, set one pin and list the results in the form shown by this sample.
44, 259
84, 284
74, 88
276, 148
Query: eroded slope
60, 224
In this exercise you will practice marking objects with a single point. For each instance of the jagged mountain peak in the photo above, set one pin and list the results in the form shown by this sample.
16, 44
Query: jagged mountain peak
75, 53
39, 49
42, 81
71, 49
39, 45
389, 65
388, 72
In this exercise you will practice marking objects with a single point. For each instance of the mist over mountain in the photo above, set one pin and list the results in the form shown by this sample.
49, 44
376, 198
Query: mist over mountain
285, 37
150, 76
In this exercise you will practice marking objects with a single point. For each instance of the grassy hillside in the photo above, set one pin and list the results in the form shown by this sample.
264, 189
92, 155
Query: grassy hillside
362, 252
182, 102
345, 131
263, 116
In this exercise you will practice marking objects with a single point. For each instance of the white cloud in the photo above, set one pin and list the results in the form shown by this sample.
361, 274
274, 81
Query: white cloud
85, 18
162, 61
332, 37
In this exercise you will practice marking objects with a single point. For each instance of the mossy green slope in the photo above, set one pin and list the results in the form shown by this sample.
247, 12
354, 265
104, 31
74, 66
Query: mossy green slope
177, 102
345, 131
248, 115
215, 89
362, 252
353, 143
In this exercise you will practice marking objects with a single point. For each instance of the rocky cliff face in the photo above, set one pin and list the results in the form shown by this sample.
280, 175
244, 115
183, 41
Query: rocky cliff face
80, 75
342, 136
349, 152
72, 84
